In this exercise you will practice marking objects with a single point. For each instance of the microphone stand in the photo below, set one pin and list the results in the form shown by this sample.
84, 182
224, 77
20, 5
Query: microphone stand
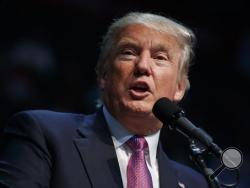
197, 157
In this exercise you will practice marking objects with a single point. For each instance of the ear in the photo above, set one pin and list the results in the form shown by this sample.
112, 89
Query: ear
180, 89
102, 81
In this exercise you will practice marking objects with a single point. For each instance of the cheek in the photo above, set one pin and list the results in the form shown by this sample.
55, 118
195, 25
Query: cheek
122, 71
119, 77
166, 83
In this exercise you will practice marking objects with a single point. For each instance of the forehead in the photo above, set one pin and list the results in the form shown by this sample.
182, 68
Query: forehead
142, 35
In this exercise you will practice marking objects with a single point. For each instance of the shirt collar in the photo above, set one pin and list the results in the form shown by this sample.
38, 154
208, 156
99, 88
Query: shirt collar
152, 141
120, 135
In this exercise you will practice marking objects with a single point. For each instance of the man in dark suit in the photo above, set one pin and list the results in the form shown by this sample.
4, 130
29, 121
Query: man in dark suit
143, 57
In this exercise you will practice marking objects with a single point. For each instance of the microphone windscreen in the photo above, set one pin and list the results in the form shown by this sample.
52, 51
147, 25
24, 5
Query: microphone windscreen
164, 109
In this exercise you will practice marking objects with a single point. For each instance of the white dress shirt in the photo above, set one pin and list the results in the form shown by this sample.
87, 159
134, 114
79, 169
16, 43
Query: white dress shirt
119, 136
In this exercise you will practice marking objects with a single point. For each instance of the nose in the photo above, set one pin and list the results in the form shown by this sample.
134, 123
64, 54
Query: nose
142, 66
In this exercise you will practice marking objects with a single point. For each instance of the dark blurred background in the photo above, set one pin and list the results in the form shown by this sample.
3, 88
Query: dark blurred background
49, 48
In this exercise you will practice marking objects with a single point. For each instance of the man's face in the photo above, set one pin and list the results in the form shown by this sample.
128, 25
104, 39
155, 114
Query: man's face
143, 68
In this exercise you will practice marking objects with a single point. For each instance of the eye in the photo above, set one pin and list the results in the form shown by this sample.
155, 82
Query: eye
127, 52
161, 56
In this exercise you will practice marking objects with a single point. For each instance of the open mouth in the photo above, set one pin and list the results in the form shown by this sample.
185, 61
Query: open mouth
140, 87
139, 90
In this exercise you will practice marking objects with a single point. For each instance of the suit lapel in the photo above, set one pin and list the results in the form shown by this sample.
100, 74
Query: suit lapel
167, 173
99, 159
97, 152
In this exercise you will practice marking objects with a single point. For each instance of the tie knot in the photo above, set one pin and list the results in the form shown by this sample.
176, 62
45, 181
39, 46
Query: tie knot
137, 143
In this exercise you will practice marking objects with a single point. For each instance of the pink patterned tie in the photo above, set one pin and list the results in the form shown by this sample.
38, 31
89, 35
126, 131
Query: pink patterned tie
138, 175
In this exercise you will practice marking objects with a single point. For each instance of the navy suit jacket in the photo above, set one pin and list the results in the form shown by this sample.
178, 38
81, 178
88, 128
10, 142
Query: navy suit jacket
45, 149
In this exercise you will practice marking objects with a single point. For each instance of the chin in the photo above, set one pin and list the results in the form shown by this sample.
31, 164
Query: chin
139, 107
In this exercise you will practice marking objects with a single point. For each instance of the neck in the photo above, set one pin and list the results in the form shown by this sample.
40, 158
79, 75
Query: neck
140, 126
145, 124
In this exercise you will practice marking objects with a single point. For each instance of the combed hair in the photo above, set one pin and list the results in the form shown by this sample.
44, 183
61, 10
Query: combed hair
184, 36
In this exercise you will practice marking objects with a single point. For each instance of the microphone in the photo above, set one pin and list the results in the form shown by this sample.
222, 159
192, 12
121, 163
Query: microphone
171, 114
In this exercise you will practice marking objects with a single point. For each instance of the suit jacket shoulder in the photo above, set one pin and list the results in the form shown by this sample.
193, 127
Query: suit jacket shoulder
46, 120
37, 149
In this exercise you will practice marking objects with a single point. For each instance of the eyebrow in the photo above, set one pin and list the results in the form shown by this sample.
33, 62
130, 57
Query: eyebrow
127, 42
161, 48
